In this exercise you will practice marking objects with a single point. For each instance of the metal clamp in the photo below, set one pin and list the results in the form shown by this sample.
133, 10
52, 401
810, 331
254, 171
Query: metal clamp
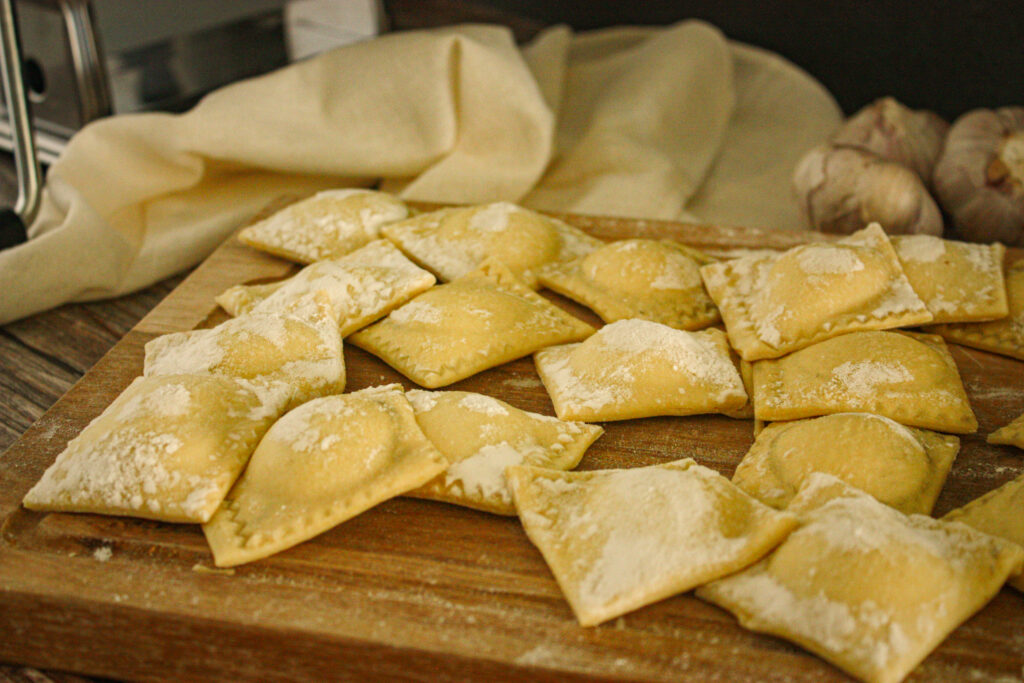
14, 222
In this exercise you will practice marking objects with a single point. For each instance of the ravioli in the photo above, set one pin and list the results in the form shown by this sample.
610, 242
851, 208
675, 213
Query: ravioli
637, 368
327, 225
168, 448
1011, 434
864, 586
360, 287
900, 466
452, 242
654, 280
1004, 336
910, 378
778, 303
617, 540
958, 281
291, 359
318, 466
481, 436
480, 320
998, 513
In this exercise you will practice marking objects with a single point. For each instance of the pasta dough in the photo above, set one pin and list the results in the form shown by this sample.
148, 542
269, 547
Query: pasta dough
911, 379
168, 448
481, 436
452, 242
958, 281
746, 370
327, 225
655, 280
1004, 336
636, 368
617, 540
864, 586
1009, 435
481, 320
319, 465
900, 466
359, 288
775, 304
998, 513
291, 359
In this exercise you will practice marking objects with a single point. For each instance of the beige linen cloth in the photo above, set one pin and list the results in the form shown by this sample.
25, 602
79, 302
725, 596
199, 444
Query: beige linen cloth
667, 123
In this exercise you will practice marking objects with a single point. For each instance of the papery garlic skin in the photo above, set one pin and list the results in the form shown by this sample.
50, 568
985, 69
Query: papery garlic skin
897, 133
980, 176
844, 189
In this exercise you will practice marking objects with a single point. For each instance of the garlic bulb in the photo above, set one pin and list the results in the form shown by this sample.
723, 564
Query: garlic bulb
896, 133
980, 176
843, 189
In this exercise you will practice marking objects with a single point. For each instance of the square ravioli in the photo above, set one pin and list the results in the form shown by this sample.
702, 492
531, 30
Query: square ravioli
452, 242
319, 465
656, 280
636, 368
360, 287
481, 320
998, 513
910, 378
481, 436
168, 448
904, 467
1004, 336
864, 586
958, 281
617, 540
1011, 434
779, 303
291, 359
327, 225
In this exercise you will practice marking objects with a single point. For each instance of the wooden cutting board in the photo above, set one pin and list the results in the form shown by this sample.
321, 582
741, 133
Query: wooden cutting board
416, 589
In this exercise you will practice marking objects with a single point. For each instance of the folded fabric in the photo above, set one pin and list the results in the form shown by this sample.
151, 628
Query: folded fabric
656, 123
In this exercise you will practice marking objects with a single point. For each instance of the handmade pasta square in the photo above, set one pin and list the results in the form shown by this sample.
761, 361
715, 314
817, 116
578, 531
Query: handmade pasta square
291, 359
481, 436
360, 287
900, 466
910, 378
958, 281
779, 303
168, 448
655, 280
1004, 336
321, 464
452, 242
998, 513
327, 225
617, 540
240, 299
1011, 434
636, 368
864, 586
481, 320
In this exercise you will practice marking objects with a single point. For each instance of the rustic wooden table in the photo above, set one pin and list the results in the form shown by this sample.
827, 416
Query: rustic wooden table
40, 358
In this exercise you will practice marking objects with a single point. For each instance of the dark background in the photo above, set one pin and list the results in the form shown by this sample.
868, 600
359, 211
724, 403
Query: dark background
946, 56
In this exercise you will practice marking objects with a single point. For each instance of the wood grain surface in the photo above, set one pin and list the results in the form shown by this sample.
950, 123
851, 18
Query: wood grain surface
412, 589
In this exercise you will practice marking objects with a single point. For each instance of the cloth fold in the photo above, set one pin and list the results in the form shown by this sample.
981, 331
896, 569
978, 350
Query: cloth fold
652, 123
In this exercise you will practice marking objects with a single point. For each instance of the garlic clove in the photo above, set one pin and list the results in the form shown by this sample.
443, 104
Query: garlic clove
843, 189
979, 178
897, 133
